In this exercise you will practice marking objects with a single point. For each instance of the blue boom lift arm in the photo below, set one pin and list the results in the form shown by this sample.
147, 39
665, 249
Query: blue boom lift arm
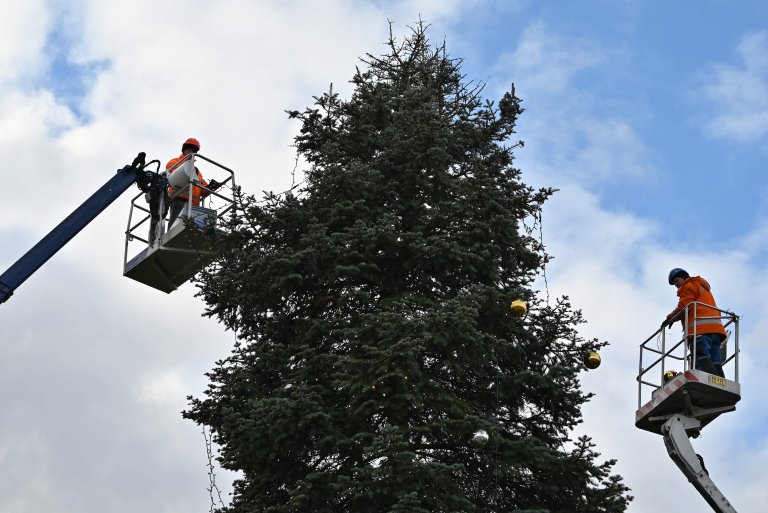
76, 221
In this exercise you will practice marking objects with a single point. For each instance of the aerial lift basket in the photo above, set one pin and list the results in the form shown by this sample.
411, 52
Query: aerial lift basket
183, 249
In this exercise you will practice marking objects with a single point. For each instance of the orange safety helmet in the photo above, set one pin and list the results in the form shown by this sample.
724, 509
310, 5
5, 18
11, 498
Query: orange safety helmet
191, 142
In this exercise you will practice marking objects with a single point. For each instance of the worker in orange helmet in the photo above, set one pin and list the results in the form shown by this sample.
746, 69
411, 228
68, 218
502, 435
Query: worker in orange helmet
703, 321
176, 204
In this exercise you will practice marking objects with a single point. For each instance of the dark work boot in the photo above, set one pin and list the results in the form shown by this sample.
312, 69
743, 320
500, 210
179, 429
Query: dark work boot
705, 364
719, 370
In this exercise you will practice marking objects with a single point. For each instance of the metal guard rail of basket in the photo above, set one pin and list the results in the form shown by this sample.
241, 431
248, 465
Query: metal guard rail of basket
728, 318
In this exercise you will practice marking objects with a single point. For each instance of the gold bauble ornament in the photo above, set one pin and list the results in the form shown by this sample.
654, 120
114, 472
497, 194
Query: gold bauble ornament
670, 375
592, 360
518, 307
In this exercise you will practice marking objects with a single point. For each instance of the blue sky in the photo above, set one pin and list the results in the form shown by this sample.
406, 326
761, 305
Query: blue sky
66, 78
657, 66
650, 117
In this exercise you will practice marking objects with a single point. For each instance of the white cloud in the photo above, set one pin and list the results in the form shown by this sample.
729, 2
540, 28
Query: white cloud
164, 388
23, 31
564, 137
567, 145
547, 63
735, 95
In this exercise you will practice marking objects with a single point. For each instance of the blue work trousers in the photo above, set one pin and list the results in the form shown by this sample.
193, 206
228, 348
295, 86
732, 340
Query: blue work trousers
708, 356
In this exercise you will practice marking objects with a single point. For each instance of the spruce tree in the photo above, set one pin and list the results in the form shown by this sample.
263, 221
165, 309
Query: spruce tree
371, 305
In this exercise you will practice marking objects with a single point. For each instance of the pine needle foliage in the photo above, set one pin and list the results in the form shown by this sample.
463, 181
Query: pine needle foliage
371, 306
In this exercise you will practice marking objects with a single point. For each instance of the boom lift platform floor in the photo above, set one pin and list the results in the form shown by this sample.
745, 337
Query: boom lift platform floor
695, 392
182, 252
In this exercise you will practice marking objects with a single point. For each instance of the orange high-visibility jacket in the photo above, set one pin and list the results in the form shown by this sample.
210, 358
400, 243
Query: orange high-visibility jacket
197, 192
698, 289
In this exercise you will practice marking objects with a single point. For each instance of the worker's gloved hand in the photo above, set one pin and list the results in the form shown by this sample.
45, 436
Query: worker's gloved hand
213, 185
664, 324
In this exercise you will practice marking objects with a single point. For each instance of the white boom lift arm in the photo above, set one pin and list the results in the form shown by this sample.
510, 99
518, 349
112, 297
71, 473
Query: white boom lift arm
679, 447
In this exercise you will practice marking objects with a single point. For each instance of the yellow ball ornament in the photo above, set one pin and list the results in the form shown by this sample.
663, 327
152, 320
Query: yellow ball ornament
518, 308
592, 360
